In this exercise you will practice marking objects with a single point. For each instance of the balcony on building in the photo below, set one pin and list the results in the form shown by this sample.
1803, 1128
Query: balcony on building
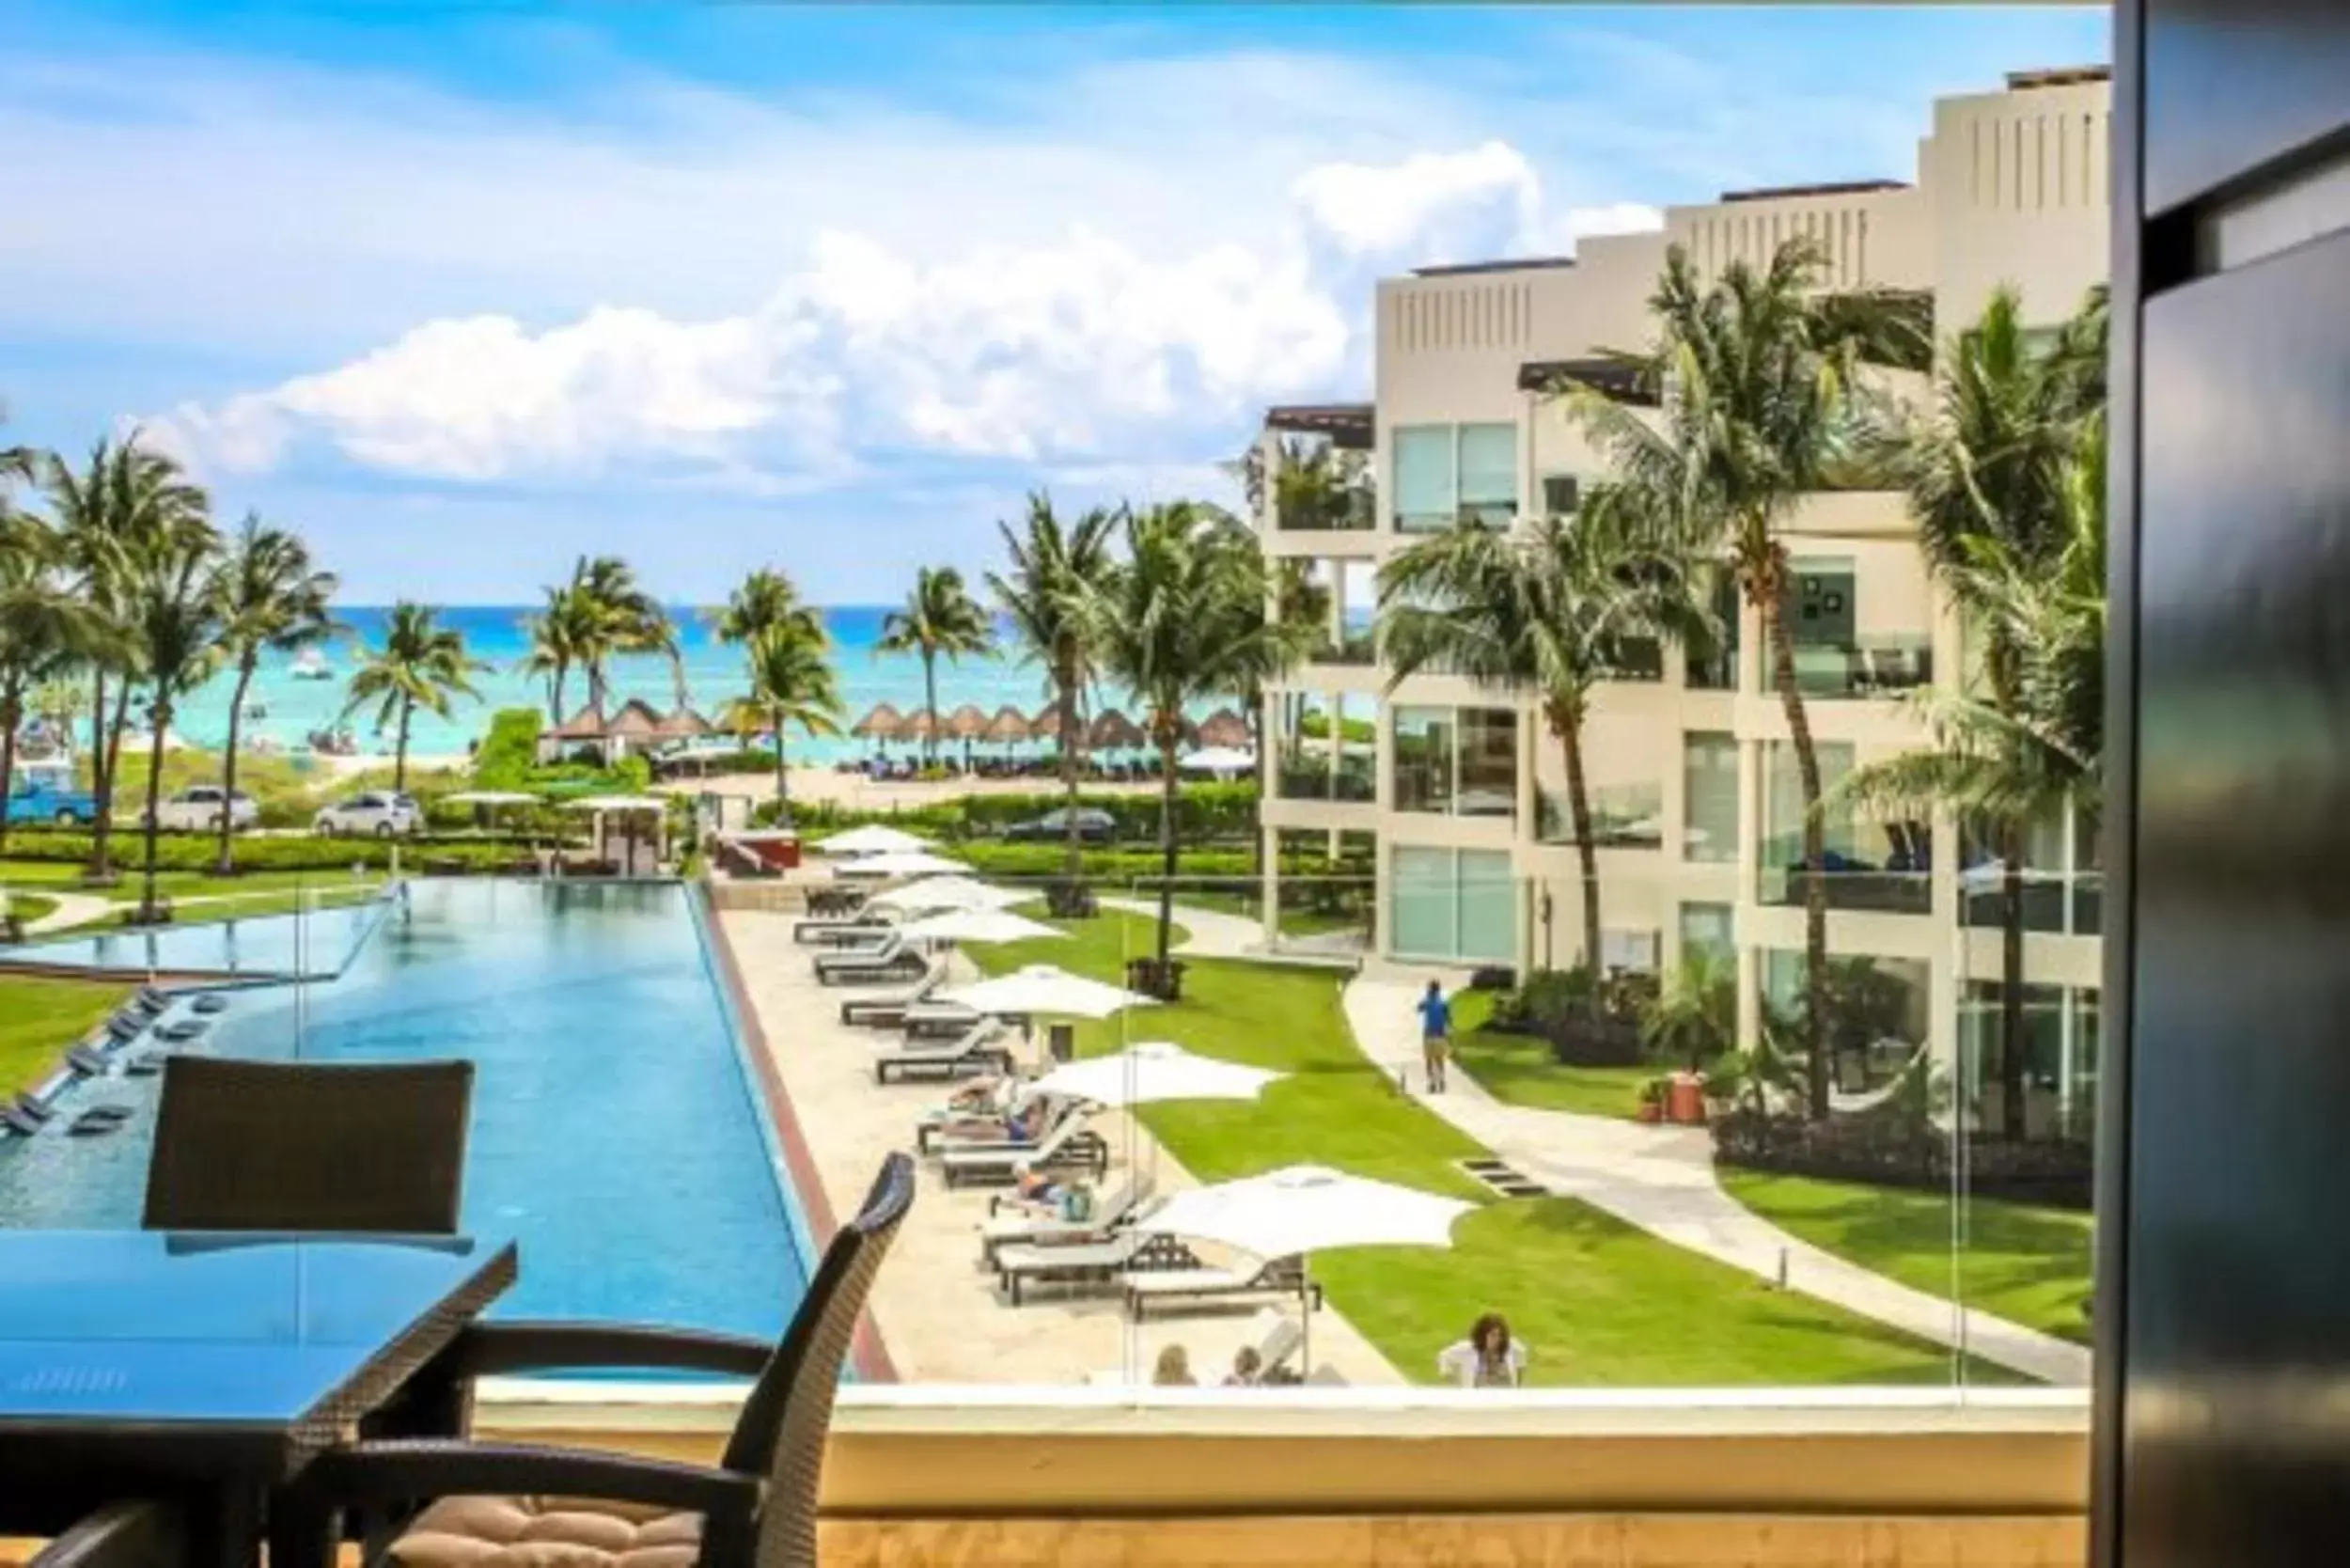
1859, 613
1879, 866
1456, 762
1316, 468
1325, 746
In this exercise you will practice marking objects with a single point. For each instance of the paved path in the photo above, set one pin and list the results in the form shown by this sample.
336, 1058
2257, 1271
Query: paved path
1212, 934
1661, 1178
73, 909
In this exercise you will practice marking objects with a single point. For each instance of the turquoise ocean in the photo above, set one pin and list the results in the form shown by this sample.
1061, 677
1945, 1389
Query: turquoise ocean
287, 707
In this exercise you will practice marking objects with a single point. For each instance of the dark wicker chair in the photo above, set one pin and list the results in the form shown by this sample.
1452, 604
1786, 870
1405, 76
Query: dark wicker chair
120, 1535
755, 1507
308, 1146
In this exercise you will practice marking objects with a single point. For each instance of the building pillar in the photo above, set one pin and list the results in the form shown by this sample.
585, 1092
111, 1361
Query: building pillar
1269, 880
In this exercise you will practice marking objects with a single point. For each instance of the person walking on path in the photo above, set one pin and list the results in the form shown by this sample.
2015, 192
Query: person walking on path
1435, 1035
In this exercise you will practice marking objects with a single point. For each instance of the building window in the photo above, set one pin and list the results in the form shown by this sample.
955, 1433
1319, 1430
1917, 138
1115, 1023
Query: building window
1634, 951
1716, 669
1450, 474
1562, 493
1461, 762
1876, 1013
1451, 905
1707, 931
1708, 788
2060, 1027
1424, 759
1859, 625
1884, 866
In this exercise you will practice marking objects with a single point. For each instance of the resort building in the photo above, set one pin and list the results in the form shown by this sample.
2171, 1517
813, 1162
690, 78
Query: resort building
1691, 777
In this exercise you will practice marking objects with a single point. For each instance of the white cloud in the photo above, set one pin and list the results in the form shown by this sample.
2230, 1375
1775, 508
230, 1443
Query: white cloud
1382, 209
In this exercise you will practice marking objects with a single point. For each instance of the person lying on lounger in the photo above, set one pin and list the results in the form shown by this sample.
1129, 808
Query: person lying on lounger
1067, 1199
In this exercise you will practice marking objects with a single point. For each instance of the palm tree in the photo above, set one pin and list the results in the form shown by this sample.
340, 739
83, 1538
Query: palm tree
1546, 611
126, 493
1057, 569
1695, 1016
272, 598
422, 663
559, 636
1988, 464
1175, 622
616, 616
2031, 747
791, 682
1755, 373
44, 625
938, 617
765, 599
173, 616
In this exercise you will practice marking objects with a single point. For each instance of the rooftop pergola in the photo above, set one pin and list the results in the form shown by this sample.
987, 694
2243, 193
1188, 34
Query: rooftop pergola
1348, 426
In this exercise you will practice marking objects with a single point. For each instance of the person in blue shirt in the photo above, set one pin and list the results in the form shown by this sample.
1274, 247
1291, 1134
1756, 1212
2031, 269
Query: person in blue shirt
1435, 1035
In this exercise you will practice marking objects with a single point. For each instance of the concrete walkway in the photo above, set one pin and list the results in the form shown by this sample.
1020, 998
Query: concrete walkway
1210, 933
1661, 1178
73, 909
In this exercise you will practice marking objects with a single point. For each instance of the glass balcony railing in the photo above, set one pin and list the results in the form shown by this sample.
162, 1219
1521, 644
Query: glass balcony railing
1311, 778
1632, 817
1877, 667
1882, 877
1346, 512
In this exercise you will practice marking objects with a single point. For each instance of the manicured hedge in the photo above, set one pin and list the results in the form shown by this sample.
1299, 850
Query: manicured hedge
197, 852
1205, 812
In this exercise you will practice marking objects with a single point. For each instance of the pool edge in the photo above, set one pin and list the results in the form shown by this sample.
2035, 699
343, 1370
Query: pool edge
811, 1215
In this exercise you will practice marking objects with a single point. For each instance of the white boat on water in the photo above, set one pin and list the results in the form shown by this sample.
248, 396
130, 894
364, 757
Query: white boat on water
311, 665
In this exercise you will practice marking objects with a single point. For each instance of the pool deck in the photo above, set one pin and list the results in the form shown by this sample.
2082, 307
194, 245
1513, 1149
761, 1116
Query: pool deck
936, 1310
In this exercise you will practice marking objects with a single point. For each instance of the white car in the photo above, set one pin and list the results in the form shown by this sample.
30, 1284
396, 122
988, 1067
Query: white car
379, 813
198, 808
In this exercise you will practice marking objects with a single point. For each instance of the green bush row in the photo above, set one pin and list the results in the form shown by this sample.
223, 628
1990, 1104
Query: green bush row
197, 852
1203, 811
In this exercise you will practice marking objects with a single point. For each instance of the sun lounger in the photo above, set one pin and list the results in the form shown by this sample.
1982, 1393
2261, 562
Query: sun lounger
888, 1012
1327, 1376
1112, 1211
936, 1134
930, 1019
891, 959
1279, 1277
1087, 1263
854, 930
85, 1061
33, 1107
981, 1048
1071, 1147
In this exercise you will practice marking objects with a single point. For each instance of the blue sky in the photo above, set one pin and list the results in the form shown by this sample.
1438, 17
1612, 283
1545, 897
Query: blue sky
463, 289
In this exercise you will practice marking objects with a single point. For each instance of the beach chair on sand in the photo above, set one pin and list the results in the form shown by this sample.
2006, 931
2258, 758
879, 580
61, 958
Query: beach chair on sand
1113, 1211
890, 961
937, 1134
889, 1012
1019, 1268
1070, 1148
1281, 1279
981, 1048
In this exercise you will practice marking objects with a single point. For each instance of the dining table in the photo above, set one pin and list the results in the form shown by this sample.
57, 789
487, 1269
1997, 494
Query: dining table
211, 1367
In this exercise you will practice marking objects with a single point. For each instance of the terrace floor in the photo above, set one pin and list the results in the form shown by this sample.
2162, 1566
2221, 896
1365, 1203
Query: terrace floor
937, 1311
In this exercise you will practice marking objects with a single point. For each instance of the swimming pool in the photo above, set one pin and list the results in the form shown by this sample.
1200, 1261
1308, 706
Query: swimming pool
617, 1133
318, 944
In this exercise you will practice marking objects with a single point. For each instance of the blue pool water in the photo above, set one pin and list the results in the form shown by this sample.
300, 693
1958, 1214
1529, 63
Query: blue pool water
318, 944
616, 1133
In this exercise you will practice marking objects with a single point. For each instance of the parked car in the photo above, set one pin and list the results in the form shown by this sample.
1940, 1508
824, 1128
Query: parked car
1094, 826
198, 808
37, 800
379, 813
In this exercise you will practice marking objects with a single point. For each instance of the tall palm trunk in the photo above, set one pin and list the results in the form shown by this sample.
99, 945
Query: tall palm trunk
100, 781
162, 722
1073, 858
1568, 727
1815, 859
399, 749
1169, 740
225, 862
555, 680
11, 714
783, 773
929, 708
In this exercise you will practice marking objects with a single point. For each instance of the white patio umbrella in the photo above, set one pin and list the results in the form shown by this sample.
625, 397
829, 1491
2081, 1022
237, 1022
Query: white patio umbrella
1041, 988
974, 925
873, 839
1220, 760
1153, 1070
901, 863
949, 892
1303, 1209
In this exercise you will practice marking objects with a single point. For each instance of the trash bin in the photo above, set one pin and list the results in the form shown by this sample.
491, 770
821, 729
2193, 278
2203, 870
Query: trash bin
1062, 1041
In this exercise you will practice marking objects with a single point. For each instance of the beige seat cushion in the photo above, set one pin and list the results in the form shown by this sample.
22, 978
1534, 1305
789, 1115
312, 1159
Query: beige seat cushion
548, 1532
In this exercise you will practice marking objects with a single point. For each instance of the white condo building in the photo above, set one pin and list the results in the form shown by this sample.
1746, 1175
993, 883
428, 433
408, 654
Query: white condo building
1461, 789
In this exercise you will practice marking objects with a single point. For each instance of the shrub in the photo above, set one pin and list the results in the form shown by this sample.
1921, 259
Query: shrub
1204, 813
197, 852
510, 751
1890, 1146
1557, 1005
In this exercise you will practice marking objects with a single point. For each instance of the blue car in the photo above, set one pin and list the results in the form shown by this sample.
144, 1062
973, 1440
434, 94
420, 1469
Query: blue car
32, 800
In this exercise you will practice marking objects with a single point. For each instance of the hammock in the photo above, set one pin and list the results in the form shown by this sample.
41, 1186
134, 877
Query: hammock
1844, 1104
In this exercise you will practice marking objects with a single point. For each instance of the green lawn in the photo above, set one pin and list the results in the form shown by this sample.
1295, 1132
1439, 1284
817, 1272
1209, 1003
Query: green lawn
29, 907
1521, 1070
1598, 1301
40, 1018
1295, 922
2027, 1264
